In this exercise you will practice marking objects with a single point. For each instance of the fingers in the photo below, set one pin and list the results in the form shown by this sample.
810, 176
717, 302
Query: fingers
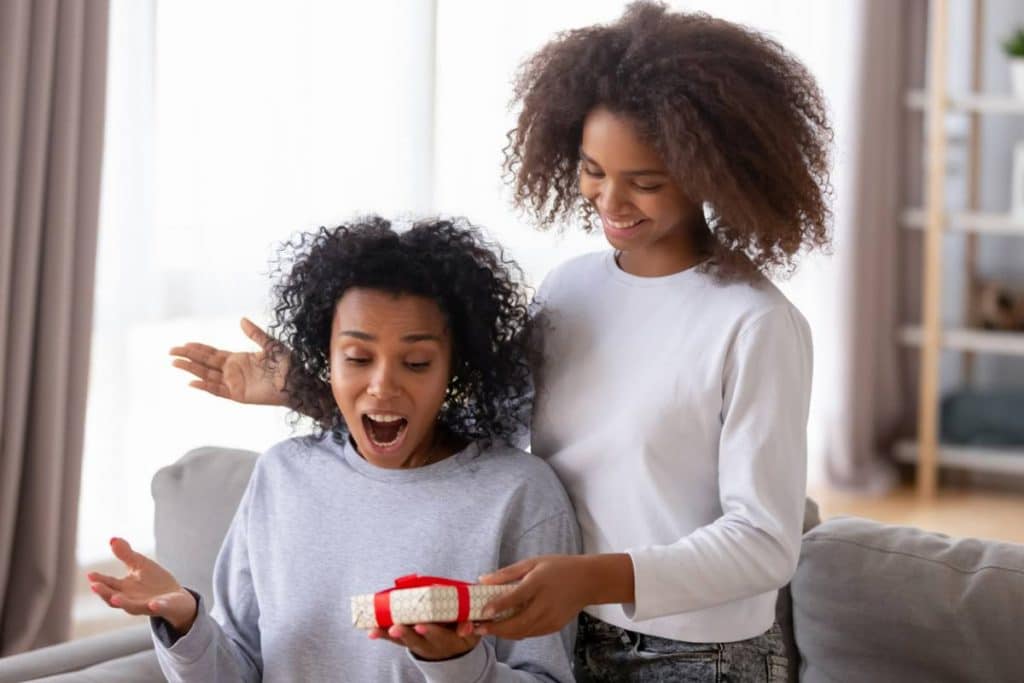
517, 597
408, 636
430, 641
205, 362
256, 333
523, 624
512, 572
442, 639
399, 638
104, 591
178, 607
211, 388
381, 634
135, 606
123, 551
119, 600
109, 581
203, 372
201, 354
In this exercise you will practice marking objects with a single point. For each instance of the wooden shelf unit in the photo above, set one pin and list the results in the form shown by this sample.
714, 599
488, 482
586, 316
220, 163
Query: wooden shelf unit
995, 460
976, 222
927, 453
980, 103
969, 339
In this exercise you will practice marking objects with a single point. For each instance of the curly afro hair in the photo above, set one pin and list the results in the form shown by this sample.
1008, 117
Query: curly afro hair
739, 123
478, 290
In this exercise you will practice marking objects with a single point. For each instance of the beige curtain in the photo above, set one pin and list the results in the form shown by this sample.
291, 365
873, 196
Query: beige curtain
53, 57
877, 396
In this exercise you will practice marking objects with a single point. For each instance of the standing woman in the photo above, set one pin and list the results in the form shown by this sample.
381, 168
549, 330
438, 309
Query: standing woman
673, 396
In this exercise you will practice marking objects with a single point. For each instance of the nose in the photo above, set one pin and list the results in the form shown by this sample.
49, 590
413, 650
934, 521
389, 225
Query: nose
382, 382
611, 198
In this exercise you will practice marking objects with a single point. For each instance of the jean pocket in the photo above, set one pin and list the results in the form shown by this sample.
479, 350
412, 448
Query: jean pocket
656, 647
661, 659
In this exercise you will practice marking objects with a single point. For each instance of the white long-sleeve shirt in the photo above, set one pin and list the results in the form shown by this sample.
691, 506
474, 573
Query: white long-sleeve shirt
318, 524
674, 410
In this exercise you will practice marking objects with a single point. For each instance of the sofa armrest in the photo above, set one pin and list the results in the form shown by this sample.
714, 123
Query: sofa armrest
76, 654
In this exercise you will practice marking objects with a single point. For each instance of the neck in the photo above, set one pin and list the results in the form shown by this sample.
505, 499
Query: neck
678, 251
435, 448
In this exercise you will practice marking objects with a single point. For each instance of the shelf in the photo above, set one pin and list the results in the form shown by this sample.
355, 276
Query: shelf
982, 103
1001, 460
970, 221
966, 339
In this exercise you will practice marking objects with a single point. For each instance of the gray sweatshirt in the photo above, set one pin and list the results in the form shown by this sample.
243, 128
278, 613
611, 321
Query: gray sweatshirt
318, 524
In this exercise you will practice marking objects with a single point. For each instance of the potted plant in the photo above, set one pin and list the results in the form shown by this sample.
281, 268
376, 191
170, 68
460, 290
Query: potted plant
1014, 49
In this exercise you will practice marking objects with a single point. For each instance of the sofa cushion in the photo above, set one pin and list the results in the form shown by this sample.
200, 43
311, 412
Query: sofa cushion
873, 602
76, 654
140, 667
195, 500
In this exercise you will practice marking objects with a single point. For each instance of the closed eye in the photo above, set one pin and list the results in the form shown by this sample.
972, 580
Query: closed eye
356, 360
418, 367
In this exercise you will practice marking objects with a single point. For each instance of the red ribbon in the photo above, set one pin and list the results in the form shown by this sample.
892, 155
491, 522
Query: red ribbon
382, 600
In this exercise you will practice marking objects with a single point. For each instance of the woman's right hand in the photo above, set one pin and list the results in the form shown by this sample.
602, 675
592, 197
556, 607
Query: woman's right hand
146, 589
238, 375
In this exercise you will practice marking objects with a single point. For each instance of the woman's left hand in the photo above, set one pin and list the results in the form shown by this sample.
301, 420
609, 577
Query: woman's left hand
430, 641
553, 589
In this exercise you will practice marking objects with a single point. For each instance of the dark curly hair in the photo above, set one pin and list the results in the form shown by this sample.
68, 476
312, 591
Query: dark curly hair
739, 123
478, 290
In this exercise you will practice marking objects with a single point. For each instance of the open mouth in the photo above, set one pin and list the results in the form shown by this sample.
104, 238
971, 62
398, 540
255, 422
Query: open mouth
384, 430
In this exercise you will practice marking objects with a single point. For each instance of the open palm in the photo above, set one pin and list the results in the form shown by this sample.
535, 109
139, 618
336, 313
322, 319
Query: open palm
241, 376
146, 589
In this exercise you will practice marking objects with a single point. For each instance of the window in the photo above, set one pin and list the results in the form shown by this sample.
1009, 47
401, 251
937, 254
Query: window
232, 125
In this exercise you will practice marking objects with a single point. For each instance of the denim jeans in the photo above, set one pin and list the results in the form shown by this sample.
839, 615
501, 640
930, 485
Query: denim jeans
606, 653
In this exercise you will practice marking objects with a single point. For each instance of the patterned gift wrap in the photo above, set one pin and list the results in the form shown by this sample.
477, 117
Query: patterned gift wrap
433, 603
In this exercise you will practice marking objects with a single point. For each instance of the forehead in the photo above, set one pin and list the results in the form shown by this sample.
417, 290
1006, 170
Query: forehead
612, 139
385, 314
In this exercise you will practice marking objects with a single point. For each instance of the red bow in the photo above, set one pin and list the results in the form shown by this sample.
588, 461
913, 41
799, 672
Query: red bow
382, 600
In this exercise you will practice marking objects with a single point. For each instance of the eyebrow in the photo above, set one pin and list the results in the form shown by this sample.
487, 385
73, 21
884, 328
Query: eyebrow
629, 173
415, 337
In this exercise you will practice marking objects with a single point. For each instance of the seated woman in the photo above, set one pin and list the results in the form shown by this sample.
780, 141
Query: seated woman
410, 350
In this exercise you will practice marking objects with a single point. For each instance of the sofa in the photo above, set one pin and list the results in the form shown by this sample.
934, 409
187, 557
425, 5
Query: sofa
869, 602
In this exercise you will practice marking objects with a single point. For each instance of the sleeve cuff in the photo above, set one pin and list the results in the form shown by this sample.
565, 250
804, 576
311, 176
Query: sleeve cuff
186, 649
469, 667
646, 604
629, 608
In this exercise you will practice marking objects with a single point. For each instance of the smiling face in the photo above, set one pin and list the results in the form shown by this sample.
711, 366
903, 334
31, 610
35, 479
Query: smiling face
390, 366
643, 211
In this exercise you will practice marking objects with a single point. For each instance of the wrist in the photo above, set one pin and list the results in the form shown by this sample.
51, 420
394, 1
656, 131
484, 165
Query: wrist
182, 626
609, 578
424, 658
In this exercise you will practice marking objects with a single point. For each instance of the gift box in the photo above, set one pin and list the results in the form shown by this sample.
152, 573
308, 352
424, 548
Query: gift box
425, 599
